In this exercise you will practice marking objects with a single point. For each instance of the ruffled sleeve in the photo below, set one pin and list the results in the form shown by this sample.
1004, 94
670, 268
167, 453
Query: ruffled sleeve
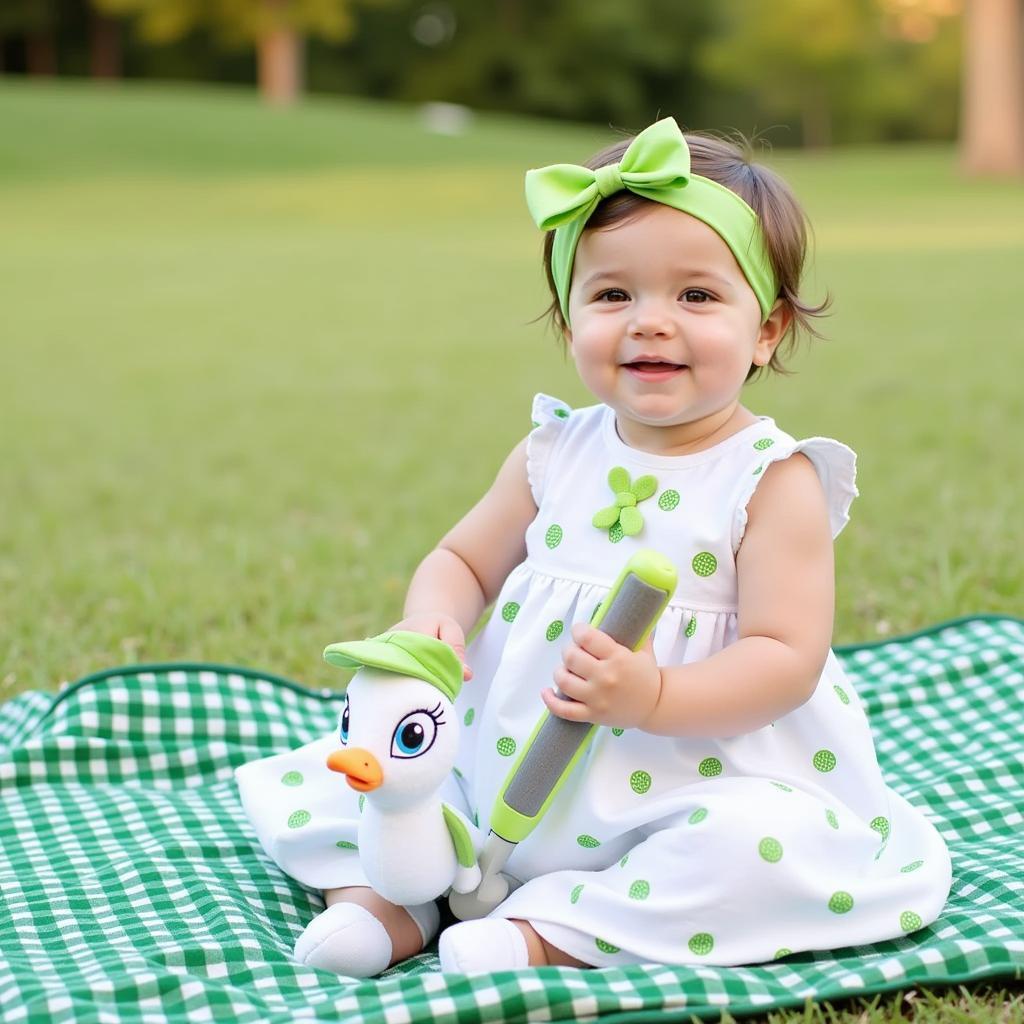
836, 465
549, 417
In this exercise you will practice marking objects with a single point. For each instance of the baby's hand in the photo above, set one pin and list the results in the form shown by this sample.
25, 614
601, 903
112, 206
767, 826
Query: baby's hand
609, 684
445, 628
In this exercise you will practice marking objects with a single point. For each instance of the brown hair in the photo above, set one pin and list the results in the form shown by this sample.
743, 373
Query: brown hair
783, 222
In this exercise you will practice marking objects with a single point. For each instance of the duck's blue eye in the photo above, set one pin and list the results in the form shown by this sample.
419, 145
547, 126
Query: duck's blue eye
414, 735
344, 724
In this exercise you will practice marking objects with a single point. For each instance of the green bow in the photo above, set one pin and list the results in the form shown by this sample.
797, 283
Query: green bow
624, 518
656, 165
657, 158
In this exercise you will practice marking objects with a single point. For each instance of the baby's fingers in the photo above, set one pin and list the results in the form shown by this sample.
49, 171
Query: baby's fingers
571, 710
451, 634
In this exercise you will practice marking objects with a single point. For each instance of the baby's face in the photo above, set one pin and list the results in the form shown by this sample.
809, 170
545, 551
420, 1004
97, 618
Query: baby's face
665, 326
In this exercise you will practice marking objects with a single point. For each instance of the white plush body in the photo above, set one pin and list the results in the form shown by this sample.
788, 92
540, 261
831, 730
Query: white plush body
408, 855
405, 845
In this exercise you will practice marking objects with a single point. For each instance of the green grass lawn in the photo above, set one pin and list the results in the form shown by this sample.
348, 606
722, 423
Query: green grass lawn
254, 364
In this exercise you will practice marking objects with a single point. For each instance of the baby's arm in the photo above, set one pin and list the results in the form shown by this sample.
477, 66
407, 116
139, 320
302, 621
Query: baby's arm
786, 594
786, 581
465, 572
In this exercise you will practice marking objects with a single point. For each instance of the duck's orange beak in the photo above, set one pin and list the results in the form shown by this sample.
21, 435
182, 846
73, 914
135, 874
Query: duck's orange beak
361, 768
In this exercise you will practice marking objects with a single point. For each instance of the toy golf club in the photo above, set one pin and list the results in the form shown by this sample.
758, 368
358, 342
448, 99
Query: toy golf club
628, 614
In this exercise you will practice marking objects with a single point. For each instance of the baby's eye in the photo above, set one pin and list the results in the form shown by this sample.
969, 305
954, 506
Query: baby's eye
613, 295
697, 295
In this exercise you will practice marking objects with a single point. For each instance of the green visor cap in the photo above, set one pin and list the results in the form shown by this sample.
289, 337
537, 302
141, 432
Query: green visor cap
408, 654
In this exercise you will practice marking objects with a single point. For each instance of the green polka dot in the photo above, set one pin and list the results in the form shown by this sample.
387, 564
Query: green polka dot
615, 533
710, 767
640, 890
622, 863
881, 826
909, 921
562, 414
574, 896
770, 850
830, 817
299, 818
764, 444
698, 816
840, 903
704, 563
640, 782
780, 953
757, 472
842, 694
344, 844
912, 866
668, 500
535, 423
701, 944
554, 631
468, 717
510, 611
554, 536
618, 732
362, 801
456, 772
782, 786
824, 760
292, 778
691, 626
605, 947
506, 746
588, 842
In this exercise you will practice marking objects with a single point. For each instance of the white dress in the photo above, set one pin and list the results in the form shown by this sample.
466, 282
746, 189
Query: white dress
679, 851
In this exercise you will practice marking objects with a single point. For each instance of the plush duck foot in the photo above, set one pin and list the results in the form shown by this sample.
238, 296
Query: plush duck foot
478, 947
347, 939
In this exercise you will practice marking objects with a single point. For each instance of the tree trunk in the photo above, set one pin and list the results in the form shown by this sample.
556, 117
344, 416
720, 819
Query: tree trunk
816, 118
41, 53
104, 46
992, 128
280, 56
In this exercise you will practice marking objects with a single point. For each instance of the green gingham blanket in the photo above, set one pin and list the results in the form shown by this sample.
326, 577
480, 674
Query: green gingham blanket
133, 889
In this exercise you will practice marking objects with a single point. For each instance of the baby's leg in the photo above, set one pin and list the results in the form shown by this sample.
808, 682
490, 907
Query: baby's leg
541, 952
360, 934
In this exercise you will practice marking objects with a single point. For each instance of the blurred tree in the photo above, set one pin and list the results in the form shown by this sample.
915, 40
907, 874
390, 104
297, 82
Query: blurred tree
846, 69
276, 27
912, 82
794, 55
596, 60
992, 138
104, 46
36, 22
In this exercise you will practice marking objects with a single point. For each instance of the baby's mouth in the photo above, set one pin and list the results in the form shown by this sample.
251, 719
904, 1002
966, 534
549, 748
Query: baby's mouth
653, 366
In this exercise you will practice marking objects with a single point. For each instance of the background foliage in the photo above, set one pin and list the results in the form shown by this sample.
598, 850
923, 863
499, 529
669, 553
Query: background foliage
798, 71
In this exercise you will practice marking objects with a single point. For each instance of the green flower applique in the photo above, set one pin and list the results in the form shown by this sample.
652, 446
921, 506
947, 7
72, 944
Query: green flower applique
624, 518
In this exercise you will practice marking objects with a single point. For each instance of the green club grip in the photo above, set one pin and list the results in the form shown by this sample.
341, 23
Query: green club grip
628, 614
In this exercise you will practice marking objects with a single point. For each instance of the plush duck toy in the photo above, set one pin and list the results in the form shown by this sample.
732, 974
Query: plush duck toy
399, 737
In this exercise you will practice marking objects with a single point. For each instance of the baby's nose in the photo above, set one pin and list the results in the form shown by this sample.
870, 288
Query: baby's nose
651, 319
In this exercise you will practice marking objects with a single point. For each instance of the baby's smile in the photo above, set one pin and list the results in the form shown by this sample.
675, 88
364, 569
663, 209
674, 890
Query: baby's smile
653, 368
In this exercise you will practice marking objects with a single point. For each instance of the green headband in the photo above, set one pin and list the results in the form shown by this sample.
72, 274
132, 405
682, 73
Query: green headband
656, 166
405, 653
